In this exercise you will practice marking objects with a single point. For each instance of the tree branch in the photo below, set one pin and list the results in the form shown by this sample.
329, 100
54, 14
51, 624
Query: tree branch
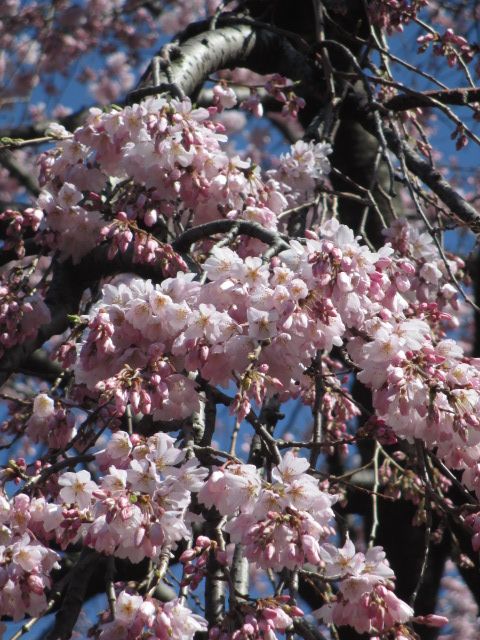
75, 594
19, 173
37, 129
415, 99
422, 168
30, 246
252, 229
236, 42
434, 179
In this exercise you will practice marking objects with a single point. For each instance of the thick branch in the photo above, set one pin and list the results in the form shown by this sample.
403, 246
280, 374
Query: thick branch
233, 44
404, 101
75, 595
243, 227
307, 630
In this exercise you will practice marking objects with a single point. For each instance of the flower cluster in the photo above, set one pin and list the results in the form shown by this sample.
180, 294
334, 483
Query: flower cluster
424, 390
132, 168
421, 274
473, 520
181, 324
56, 427
137, 509
365, 600
18, 224
40, 45
25, 563
392, 15
300, 170
338, 408
281, 89
22, 310
457, 601
251, 318
178, 15
195, 561
281, 522
266, 312
453, 47
260, 619
135, 616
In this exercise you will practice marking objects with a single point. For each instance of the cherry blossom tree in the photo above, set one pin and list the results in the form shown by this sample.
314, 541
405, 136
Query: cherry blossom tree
239, 321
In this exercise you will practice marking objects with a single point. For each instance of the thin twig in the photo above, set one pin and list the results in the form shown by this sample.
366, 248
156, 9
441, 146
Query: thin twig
423, 471
110, 589
317, 409
376, 485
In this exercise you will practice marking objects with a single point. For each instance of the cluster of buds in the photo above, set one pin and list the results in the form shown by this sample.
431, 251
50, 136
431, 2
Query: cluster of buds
392, 15
257, 620
21, 312
453, 47
280, 88
123, 232
18, 224
195, 561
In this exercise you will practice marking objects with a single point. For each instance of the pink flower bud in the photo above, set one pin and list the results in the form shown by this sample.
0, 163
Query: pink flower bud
203, 542
431, 620
187, 555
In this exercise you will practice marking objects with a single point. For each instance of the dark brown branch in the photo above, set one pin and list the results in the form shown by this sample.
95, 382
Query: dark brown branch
415, 99
307, 630
24, 177
252, 229
434, 179
30, 246
75, 595
40, 365
427, 173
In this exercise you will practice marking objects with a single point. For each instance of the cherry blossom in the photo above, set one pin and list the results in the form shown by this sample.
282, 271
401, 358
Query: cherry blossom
77, 487
134, 614
280, 523
187, 288
25, 563
365, 600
